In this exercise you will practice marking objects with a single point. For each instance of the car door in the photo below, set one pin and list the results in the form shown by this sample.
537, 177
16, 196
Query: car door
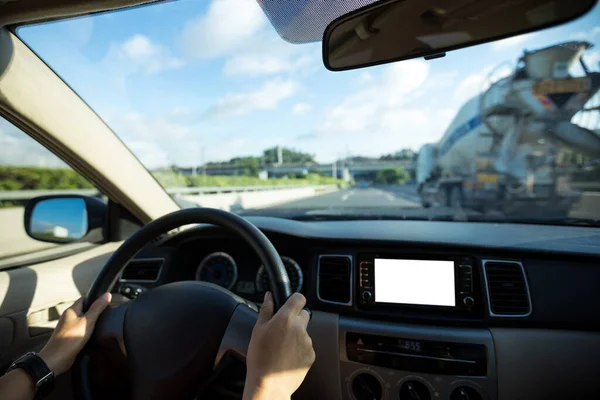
38, 280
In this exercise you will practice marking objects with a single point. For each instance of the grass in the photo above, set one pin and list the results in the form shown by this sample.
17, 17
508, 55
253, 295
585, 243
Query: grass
34, 178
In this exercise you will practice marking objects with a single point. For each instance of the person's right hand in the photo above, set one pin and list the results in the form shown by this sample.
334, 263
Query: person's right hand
280, 352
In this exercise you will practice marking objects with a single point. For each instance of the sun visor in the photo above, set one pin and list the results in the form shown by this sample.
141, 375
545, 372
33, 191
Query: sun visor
303, 21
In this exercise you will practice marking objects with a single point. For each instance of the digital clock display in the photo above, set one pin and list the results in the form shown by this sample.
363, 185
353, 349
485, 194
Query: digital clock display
411, 345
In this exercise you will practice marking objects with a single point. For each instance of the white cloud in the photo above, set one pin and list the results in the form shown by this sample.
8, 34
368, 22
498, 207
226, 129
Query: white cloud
140, 52
150, 154
592, 59
19, 149
386, 115
474, 84
512, 42
267, 97
356, 111
301, 108
595, 31
365, 77
578, 36
223, 29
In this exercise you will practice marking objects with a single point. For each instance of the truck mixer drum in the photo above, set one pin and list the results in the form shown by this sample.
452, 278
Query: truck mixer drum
503, 144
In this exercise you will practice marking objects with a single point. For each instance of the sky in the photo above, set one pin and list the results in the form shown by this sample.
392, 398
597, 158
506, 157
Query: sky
190, 81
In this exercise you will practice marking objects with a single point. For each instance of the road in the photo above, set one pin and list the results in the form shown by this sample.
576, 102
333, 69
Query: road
400, 201
388, 201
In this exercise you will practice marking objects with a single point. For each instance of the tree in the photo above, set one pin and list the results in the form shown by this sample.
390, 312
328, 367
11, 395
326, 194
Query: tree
250, 165
391, 176
290, 156
402, 155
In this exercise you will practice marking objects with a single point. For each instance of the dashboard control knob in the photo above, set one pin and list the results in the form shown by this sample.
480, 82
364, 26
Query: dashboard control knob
465, 393
468, 301
367, 295
414, 390
366, 387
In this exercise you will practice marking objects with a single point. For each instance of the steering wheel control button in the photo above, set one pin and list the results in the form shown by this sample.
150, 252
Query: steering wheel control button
366, 387
468, 301
132, 291
367, 295
414, 390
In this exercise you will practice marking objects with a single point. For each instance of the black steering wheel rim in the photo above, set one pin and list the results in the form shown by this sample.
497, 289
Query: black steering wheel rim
114, 321
280, 282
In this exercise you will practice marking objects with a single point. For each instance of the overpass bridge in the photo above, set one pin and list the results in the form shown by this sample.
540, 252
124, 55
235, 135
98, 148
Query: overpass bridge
339, 169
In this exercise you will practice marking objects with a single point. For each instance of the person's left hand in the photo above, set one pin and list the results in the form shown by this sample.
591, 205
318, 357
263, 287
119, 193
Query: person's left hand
71, 334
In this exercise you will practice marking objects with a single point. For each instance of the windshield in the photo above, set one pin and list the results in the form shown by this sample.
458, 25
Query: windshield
225, 113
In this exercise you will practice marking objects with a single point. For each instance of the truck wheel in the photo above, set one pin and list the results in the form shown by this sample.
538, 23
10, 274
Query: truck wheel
455, 200
443, 197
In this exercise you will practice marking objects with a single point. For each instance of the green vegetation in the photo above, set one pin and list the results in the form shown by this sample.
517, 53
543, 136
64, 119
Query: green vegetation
391, 176
167, 179
251, 165
33, 178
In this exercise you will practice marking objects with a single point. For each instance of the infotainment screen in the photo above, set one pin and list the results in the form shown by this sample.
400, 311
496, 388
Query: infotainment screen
418, 282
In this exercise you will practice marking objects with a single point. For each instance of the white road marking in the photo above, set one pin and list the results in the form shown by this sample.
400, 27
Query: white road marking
385, 194
347, 195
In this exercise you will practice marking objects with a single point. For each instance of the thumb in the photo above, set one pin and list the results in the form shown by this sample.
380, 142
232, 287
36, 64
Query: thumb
97, 307
266, 310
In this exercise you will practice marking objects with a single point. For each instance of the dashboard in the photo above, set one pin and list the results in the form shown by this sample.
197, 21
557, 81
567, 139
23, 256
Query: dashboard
417, 310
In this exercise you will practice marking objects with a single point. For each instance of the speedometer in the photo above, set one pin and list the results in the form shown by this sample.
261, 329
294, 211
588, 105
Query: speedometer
294, 272
218, 268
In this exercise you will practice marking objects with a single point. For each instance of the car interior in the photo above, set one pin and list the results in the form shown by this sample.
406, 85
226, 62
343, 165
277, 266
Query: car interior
514, 313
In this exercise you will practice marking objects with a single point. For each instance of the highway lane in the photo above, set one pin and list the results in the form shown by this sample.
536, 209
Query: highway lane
386, 201
353, 198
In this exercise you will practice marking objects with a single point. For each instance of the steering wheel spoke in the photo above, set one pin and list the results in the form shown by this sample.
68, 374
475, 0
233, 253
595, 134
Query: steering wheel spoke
108, 334
237, 334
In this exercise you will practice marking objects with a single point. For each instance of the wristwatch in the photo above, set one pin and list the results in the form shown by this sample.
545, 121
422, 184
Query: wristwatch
42, 377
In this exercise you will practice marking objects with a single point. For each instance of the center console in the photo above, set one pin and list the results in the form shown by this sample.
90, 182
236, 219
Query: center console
391, 360
412, 362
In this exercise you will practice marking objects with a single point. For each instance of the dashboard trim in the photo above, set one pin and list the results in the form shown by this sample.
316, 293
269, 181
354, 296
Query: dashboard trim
348, 256
487, 289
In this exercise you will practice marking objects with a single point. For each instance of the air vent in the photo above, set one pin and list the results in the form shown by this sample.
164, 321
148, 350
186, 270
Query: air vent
508, 292
335, 274
142, 270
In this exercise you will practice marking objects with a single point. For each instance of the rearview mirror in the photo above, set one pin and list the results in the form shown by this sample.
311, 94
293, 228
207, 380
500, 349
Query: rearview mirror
65, 219
394, 30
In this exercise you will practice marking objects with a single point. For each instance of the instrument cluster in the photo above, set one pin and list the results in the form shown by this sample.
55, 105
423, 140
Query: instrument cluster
222, 269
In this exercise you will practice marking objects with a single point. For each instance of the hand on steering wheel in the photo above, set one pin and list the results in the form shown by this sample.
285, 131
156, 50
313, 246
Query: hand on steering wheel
71, 334
168, 342
280, 352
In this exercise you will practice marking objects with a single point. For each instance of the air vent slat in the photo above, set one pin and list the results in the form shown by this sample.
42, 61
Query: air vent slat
507, 288
142, 270
335, 279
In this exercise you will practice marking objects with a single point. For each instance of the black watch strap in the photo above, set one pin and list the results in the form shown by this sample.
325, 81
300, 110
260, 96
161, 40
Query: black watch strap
42, 377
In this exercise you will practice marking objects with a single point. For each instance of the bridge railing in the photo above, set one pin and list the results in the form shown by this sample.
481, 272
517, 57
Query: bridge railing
20, 195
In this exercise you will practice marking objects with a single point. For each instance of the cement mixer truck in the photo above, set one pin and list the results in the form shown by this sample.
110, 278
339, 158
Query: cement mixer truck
502, 149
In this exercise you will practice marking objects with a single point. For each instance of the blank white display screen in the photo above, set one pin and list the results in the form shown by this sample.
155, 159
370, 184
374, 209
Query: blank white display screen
422, 282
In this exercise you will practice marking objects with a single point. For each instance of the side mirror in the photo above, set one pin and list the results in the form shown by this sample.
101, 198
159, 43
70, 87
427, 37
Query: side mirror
65, 219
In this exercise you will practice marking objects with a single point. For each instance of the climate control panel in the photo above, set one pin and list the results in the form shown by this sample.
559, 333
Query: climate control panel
381, 361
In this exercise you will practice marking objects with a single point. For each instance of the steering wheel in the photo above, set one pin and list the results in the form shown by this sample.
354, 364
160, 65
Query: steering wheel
169, 340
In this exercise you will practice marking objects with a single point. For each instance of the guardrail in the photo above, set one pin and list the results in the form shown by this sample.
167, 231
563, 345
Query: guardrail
17, 195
